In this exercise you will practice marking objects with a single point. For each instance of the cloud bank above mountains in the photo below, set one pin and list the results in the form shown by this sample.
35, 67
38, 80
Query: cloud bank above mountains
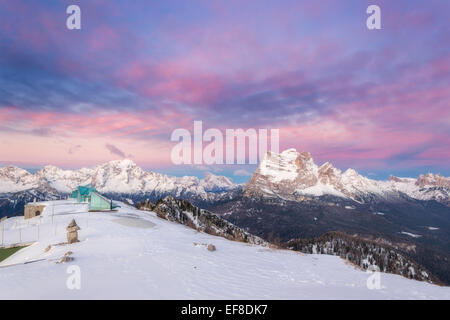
374, 100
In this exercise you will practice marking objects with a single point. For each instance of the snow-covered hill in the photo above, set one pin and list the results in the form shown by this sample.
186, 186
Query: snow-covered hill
293, 175
119, 176
134, 254
184, 212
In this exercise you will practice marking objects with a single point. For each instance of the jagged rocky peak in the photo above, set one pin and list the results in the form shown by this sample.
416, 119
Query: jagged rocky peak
119, 176
351, 172
119, 166
302, 159
307, 170
210, 177
52, 172
49, 169
396, 179
328, 174
14, 173
14, 179
289, 165
214, 183
122, 163
434, 180
352, 177
291, 175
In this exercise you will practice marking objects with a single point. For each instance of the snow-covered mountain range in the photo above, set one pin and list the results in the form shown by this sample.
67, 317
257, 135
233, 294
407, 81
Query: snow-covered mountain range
293, 175
119, 176
290, 175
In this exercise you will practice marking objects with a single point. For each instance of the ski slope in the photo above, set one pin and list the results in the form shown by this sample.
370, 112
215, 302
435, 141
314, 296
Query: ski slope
132, 254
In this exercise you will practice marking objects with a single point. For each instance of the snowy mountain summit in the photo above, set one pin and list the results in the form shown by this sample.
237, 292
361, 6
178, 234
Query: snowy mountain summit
294, 175
14, 179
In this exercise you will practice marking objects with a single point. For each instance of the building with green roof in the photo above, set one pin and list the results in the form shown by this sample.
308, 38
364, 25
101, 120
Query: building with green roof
96, 201
82, 193
100, 203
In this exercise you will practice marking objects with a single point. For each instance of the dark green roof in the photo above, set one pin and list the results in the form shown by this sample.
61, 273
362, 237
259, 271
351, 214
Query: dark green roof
86, 190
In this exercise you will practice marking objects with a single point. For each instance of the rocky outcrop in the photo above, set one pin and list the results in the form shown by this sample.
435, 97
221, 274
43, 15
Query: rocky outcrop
396, 179
183, 212
432, 180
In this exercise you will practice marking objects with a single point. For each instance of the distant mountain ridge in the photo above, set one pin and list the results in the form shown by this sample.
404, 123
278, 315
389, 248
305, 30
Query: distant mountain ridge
290, 175
294, 176
118, 176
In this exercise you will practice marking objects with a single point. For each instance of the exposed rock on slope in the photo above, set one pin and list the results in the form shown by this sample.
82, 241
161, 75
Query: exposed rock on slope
184, 212
364, 253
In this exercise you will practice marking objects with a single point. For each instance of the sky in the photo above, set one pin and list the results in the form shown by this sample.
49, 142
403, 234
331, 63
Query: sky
374, 100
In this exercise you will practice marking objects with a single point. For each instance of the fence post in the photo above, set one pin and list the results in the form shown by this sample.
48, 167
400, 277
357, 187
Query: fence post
20, 235
2, 225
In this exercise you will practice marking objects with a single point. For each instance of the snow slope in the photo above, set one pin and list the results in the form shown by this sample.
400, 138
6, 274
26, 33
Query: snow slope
134, 254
